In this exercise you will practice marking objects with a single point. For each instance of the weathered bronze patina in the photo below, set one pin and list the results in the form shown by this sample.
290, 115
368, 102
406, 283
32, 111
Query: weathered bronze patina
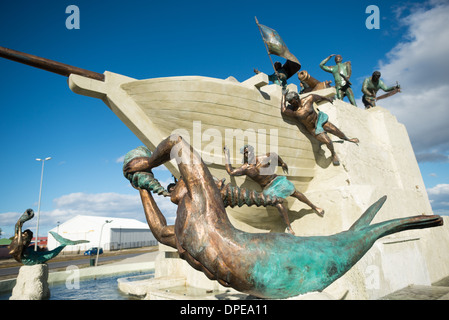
342, 71
370, 87
268, 265
20, 248
309, 83
271, 183
316, 123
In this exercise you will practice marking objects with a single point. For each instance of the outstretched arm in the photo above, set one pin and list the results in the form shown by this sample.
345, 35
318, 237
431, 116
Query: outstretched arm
16, 247
317, 98
229, 169
156, 221
323, 66
385, 88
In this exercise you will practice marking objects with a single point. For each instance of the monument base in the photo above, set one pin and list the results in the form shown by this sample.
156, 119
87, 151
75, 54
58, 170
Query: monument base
32, 283
383, 163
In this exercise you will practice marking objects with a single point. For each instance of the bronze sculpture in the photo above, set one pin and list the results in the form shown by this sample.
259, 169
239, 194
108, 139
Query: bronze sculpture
370, 87
231, 195
279, 76
272, 184
316, 123
20, 248
341, 72
309, 83
266, 265
275, 45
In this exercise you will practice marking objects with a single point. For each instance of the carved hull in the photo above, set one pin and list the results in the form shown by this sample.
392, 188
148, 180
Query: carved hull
211, 113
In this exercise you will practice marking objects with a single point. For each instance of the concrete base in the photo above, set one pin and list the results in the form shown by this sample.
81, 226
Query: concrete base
415, 292
32, 283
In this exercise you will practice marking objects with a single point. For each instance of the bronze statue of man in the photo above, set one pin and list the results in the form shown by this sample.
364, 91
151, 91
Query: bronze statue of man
316, 123
280, 75
370, 87
341, 72
272, 184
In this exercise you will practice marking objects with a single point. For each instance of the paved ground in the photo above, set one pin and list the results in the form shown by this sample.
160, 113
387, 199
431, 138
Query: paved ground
438, 291
145, 257
9, 267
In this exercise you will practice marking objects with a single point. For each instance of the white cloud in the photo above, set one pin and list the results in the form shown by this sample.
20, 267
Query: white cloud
108, 204
99, 204
120, 159
439, 198
420, 65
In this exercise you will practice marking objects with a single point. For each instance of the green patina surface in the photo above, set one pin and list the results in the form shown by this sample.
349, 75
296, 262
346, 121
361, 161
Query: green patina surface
280, 265
31, 257
144, 180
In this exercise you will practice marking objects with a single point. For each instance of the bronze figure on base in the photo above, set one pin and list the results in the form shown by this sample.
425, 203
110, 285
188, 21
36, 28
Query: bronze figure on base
370, 87
20, 248
316, 123
342, 71
266, 265
272, 184
279, 77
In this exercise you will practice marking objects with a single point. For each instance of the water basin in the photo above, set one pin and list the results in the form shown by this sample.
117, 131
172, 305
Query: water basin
98, 288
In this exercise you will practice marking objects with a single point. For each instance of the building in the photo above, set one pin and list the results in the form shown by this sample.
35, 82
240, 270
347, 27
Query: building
4, 248
41, 242
118, 234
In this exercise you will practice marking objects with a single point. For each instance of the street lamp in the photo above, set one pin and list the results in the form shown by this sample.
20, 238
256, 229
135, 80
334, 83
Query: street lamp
99, 241
39, 205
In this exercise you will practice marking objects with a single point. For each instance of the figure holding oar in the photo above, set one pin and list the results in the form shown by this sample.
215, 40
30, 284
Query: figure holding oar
370, 87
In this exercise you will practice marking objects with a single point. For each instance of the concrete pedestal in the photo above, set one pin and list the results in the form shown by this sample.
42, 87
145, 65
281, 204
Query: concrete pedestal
32, 283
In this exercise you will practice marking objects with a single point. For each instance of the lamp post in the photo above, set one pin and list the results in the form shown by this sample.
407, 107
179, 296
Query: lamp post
99, 241
39, 205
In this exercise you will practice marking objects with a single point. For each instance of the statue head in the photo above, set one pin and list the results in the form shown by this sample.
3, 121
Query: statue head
277, 65
376, 76
338, 58
293, 98
248, 153
27, 236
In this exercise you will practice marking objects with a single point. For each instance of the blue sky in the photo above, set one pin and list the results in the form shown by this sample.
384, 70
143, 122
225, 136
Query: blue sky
40, 117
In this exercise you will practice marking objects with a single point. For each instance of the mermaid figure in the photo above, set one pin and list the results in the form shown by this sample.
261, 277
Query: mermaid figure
266, 265
20, 248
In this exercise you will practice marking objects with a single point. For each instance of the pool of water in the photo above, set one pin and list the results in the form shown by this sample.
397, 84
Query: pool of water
99, 288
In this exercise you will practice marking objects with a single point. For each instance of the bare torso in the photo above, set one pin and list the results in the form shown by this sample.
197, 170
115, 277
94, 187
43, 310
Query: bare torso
305, 113
253, 171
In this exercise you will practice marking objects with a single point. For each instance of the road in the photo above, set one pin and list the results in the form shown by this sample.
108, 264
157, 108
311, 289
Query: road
11, 272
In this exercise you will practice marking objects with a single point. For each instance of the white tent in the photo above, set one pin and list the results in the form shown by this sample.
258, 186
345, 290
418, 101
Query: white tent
118, 234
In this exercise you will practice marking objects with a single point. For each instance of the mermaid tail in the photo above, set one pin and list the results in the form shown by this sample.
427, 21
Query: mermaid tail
66, 242
296, 265
31, 257
385, 228
366, 218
